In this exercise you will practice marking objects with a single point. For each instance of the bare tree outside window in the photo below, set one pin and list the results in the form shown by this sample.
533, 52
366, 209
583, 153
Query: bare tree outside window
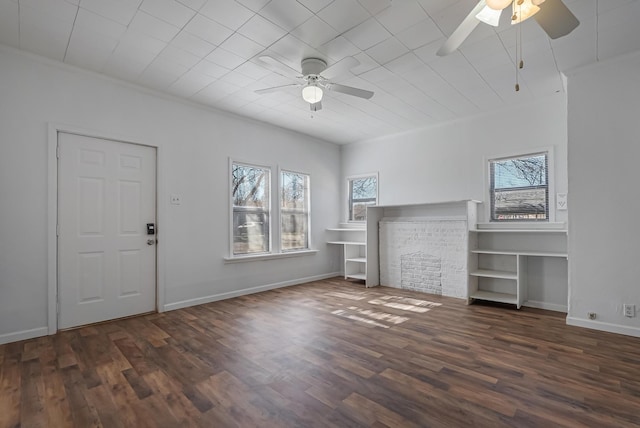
520, 188
363, 192
294, 211
250, 194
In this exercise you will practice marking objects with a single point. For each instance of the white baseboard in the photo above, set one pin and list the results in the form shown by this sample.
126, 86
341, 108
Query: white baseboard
23, 335
228, 295
544, 305
604, 326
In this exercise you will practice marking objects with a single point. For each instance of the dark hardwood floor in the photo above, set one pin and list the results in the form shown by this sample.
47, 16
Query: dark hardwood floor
328, 353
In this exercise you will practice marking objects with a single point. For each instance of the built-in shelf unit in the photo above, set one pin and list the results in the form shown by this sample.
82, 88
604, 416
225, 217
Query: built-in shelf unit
499, 259
353, 238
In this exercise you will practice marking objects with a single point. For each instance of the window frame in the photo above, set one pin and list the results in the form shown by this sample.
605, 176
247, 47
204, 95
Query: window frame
551, 208
351, 178
306, 210
268, 209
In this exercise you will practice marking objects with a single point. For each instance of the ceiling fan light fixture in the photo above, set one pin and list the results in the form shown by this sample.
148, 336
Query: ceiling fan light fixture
312, 93
498, 4
523, 10
489, 16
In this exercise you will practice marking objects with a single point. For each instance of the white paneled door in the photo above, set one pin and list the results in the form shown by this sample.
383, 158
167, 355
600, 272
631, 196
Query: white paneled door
106, 259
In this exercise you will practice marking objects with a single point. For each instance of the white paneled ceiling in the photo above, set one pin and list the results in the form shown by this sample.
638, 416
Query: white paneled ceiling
207, 51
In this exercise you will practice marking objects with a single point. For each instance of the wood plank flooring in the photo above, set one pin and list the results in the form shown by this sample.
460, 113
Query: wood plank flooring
325, 354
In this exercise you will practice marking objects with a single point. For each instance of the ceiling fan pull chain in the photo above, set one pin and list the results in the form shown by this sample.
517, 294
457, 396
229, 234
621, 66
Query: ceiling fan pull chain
519, 62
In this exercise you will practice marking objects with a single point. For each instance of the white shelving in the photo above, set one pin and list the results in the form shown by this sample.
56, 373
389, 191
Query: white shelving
499, 259
353, 238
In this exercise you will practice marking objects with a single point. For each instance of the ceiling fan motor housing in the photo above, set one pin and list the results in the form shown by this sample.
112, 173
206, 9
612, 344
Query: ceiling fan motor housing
313, 66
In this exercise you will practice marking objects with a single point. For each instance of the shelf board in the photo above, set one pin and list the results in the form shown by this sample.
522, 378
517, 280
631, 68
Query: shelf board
357, 259
494, 274
495, 297
362, 276
347, 243
521, 253
347, 229
519, 230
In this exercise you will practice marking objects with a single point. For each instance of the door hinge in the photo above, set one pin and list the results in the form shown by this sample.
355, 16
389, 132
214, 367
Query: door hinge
57, 230
58, 152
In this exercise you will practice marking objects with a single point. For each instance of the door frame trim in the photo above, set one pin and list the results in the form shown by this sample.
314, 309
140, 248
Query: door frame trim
52, 213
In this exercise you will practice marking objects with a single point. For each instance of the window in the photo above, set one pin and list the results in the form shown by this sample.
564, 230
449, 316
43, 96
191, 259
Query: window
294, 211
363, 192
519, 188
250, 193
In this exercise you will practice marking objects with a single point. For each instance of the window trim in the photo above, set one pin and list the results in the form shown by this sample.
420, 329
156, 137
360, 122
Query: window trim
230, 211
350, 178
550, 182
307, 211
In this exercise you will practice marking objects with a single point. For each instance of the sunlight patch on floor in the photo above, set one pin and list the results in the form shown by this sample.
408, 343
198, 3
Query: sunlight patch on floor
349, 296
344, 314
405, 303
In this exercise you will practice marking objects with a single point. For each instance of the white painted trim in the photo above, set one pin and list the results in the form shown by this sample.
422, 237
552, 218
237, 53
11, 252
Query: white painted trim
348, 194
269, 168
231, 294
551, 178
52, 222
604, 326
544, 305
52, 213
240, 259
308, 209
17, 336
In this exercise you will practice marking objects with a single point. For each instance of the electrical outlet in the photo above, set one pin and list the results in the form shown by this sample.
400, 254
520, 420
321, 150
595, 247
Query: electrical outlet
175, 199
592, 315
629, 310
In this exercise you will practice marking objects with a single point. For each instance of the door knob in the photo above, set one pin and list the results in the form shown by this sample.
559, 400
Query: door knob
150, 241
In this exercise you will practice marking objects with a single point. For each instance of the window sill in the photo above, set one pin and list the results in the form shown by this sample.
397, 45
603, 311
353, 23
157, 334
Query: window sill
519, 225
241, 259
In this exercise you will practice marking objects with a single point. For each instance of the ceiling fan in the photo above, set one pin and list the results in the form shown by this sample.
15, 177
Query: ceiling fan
314, 78
553, 16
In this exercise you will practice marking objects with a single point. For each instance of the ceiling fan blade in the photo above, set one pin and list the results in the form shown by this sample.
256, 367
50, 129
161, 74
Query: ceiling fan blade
462, 32
556, 19
316, 106
279, 67
349, 90
275, 89
340, 68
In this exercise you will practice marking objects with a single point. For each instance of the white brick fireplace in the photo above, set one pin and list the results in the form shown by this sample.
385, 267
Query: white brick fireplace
428, 255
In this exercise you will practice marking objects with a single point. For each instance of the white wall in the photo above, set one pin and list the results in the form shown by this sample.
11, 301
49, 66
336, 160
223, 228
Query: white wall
195, 144
604, 150
448, 162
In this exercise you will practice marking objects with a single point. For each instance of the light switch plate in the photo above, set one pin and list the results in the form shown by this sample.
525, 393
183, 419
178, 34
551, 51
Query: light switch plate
561, 201
175, 199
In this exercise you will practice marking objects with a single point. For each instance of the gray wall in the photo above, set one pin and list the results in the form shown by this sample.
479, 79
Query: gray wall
604, 159
195, 145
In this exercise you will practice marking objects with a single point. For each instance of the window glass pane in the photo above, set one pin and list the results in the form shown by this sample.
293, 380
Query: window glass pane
521, 172
250, 186
519, 189
250, 194
294, 231
294, 212
527, 204
294, 190
363, 192
364, 188
250, 232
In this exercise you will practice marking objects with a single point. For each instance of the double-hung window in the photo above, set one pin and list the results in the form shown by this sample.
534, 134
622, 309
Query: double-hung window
294, 211
250, 193
519, 188
363, 192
